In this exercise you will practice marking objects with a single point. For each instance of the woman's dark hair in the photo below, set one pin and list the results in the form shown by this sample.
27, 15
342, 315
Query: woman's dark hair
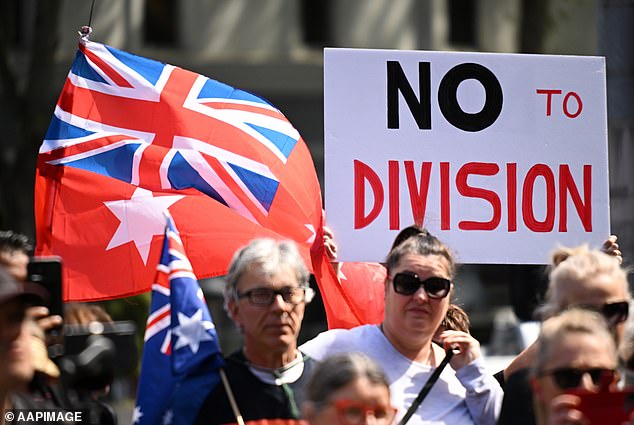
418, 241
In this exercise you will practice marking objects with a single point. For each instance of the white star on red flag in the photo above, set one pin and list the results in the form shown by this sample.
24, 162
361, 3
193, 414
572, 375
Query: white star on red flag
141, 217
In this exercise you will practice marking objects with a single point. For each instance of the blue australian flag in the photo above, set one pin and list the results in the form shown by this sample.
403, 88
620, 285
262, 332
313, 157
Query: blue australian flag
181, 356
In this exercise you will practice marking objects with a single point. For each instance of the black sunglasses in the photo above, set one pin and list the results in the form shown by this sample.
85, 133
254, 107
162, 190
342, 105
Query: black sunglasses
407, 283
614, 313
570, 377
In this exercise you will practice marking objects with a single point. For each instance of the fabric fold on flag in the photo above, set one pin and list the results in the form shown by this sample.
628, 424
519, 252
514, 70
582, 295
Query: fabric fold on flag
132, 137
181, 356
364, 283
353, 297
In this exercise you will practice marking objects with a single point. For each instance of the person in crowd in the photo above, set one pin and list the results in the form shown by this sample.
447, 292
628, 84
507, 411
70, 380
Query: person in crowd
21, 365
588, 278
15, 251
420, 273
576, 351
17, 364
580, 277
266, 294
455, 319
348, 389
31, 372
43, 385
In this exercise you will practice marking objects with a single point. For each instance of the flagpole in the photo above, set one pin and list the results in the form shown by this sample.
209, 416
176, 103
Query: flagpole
232, 400
92, 5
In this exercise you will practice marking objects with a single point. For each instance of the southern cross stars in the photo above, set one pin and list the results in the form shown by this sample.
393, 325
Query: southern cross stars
192, 330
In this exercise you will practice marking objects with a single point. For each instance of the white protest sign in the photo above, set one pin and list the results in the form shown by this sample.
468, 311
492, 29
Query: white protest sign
502, 156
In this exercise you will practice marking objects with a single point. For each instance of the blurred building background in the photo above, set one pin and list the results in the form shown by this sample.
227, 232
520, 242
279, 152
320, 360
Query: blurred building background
273, 48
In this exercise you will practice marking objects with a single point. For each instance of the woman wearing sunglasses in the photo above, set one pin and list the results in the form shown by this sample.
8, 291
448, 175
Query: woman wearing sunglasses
586, 278
576, 351
580, 277
589, 279
348, 389
420, 272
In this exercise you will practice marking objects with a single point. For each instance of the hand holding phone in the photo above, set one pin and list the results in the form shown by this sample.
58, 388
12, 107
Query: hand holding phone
47, 271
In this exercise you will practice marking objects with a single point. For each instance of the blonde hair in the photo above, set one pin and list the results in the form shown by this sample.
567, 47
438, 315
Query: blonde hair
571, 321
569, 266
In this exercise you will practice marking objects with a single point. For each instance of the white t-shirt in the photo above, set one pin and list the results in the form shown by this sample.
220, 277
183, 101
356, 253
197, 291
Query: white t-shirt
468, 396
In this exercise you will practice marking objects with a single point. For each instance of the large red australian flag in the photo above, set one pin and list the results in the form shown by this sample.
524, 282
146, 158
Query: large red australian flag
132, 137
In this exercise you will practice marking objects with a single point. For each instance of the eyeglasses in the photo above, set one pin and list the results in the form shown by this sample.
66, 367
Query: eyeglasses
407, 283
266, 296
352, 412
570, 377
614, 313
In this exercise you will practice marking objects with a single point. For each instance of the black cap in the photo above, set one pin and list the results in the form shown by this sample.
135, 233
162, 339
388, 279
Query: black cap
11, 290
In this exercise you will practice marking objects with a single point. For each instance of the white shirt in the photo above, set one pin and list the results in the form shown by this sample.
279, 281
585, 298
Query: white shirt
467, 396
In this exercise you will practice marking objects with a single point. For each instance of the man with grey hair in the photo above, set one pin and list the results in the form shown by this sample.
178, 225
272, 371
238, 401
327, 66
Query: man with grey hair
267, 291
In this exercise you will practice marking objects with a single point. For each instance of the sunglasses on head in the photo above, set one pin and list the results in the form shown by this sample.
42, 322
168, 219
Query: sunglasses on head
570, 377
407, 283
614, 313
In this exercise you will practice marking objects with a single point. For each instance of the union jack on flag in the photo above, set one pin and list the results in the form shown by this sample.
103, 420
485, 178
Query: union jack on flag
132, 137
140, 149
181, 356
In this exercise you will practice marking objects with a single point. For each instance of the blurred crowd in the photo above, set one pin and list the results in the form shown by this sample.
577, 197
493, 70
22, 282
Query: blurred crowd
420, 365
35, 372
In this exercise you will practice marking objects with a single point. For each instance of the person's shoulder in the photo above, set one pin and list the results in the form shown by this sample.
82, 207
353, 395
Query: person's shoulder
339, 334
237, 357
362, 330
337, 340
215, 407
236, 365
308, 367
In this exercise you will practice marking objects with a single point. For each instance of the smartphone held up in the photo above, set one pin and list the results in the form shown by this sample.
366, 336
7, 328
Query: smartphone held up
47, 272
